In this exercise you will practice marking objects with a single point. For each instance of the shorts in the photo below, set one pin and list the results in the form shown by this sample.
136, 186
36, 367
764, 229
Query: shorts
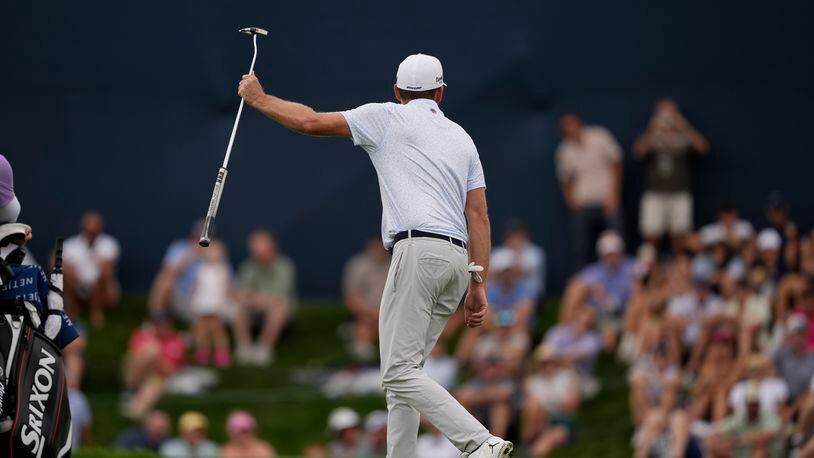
665, 213
565, 422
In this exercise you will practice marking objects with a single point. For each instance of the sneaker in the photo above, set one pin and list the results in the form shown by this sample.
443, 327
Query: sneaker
244, 355
495, 447
263, 356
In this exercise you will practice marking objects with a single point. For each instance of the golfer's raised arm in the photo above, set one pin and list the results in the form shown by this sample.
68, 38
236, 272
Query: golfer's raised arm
295, 116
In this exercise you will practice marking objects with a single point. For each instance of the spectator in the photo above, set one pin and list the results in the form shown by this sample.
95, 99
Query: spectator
605, 285
778, 215
666, 150
769, 247
376, 432
362, 287
192, 441
577, 343
210, 303
688, 313
154, 430
267, 290
795, 362
750, 311
511, 301
720, 369
529, 257
155, 352
748, 432
442, 367
550, 402
433, 444
730, 229
806, 307
507, 291
348, 436
175, 281
655, 386
488, 395
589, 166
503, 341
81, 419
772, 391
241, 428
91, 258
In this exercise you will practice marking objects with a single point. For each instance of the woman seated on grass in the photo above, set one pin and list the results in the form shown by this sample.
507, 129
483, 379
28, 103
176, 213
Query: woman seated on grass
551, 400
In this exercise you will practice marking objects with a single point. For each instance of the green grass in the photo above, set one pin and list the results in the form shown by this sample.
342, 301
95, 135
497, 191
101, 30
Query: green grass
291, 415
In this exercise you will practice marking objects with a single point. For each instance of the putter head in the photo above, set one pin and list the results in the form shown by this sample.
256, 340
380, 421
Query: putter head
254, 31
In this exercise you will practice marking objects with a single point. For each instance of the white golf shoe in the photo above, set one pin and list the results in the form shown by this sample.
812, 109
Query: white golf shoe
495, 447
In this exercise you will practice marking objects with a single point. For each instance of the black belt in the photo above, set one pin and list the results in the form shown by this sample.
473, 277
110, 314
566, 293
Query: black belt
415, 233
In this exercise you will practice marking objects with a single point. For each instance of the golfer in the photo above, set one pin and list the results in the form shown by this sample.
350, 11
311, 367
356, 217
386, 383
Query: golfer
434, 220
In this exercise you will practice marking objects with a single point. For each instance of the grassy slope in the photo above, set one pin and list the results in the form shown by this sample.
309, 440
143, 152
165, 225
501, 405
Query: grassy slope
291, 415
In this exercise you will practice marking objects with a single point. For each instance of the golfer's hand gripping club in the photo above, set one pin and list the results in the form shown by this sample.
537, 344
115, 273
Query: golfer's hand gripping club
214, 202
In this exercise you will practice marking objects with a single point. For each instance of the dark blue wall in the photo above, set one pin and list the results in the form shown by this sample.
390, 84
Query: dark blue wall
126, 107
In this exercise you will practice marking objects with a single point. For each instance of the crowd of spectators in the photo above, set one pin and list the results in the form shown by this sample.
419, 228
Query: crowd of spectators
155, 434
715, 324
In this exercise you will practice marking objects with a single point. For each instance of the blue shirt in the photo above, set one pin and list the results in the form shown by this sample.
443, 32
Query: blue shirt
30, 284
185, 281
501, 298
615, 284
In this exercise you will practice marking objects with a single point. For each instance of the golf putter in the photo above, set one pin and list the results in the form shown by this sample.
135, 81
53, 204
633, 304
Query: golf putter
214, 202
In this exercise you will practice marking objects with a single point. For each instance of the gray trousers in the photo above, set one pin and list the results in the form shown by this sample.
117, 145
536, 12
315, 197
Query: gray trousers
425, 285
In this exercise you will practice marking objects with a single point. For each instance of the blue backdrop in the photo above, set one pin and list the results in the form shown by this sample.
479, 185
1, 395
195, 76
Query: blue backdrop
126, 107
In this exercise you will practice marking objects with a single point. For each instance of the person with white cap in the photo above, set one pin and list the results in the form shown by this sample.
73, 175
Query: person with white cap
345, 425
376, 432
435, 223
604, 285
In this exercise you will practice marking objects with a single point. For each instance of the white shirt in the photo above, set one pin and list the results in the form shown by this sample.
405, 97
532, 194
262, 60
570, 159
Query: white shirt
435, 446
692, 310
773, 392
425, 163
590, 164
85, 258
443, 370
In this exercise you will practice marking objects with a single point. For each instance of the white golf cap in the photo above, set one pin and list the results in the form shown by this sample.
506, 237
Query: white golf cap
610, 243
420, 72
343, 418
501, 260
769, 239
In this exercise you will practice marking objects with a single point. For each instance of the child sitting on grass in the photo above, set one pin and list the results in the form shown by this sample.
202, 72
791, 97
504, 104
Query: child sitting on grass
210, 304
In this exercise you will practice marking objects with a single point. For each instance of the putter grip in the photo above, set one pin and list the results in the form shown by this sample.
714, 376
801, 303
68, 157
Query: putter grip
208, 229
58, 255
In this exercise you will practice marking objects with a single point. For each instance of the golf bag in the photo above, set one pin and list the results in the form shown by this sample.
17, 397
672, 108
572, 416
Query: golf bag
35, 416
34, 392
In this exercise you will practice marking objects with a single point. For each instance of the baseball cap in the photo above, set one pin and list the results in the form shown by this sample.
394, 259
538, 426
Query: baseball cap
757, 361
420, 72
545, 352
501, 260
343, 418
376, 420
240, 421
769, 239
797, 322
610, 243
192, 421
